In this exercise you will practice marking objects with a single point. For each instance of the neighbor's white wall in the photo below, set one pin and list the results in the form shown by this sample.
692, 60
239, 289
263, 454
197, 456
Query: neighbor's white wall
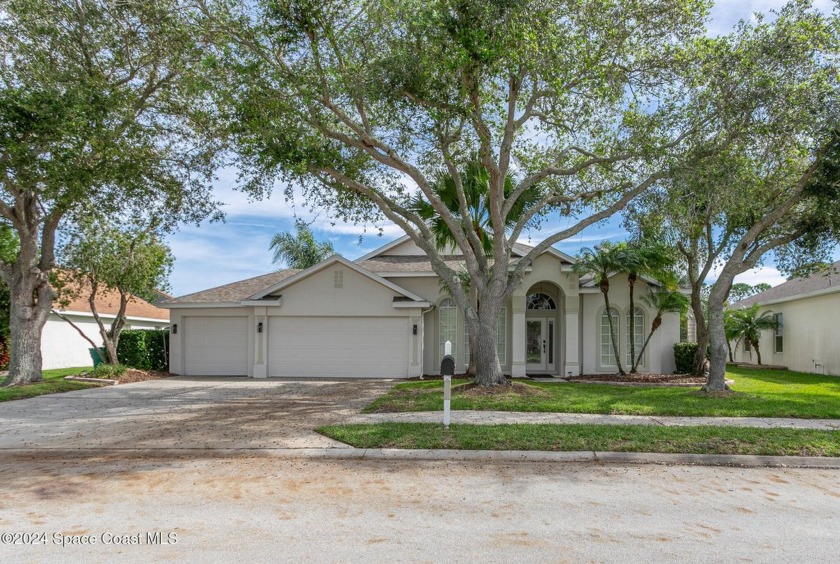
810, 334
63, 347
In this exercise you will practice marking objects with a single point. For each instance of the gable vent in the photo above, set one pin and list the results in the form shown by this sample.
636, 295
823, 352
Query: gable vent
338, 279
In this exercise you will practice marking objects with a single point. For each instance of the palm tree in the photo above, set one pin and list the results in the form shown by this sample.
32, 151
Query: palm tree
730, 328
601, 262
748, 324
662, 300
299, 250
642, 258
475, 181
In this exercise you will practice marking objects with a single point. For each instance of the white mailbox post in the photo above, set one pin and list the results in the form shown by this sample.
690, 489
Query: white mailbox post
447, 369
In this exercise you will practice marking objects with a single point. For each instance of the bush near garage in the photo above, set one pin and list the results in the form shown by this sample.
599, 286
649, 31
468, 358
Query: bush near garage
144, 349
684, 357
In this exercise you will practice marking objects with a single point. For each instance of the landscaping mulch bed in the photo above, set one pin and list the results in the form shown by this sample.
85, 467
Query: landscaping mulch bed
472, 390
640, 378
133, 375
129, 377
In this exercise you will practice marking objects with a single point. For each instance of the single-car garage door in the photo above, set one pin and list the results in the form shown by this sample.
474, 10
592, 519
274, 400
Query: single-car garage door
216, 346
338, 347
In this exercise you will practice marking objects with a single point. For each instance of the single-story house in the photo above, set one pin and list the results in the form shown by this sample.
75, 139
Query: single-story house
806, 310
63, 347
385, 315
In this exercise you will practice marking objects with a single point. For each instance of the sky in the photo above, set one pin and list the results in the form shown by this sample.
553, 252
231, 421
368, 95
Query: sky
217, 253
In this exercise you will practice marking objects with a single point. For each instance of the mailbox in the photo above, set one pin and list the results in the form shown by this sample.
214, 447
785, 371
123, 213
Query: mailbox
447, 366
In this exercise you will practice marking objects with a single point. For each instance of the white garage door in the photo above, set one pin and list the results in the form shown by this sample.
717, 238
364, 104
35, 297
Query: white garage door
338, 347
216, 346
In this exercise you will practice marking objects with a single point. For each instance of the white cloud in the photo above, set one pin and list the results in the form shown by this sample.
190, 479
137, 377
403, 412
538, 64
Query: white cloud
766, 274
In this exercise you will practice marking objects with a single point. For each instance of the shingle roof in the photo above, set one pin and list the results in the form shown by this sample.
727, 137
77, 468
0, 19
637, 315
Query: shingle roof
235, 291
406, 263
797, 287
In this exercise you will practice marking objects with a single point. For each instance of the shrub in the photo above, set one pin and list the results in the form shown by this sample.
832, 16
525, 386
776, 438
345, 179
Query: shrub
144, 349
684, 357
4, 354
110, 371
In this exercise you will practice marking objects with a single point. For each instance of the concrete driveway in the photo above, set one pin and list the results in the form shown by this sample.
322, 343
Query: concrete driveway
185, 413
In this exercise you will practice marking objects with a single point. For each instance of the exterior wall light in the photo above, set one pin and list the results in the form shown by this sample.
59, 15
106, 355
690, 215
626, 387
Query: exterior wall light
259, 327
174, 328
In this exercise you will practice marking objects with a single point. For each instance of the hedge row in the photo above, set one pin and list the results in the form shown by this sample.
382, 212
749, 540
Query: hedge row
684, 357
144, 349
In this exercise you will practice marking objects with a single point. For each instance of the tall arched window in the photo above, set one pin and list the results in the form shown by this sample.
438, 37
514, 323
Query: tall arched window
638, 334
540, 301
607, 355
447, 325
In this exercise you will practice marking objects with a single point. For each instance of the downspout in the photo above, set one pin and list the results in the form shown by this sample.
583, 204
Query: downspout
422, 335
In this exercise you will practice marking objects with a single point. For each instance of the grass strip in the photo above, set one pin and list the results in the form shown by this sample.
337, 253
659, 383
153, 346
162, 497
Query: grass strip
619, 438
53, 383
756, 393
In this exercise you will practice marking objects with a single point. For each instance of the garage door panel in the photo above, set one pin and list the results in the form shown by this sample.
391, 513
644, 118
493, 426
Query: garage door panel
216, 346
342, 347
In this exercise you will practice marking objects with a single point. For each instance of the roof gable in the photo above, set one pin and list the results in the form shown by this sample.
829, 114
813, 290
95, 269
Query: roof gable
303, 274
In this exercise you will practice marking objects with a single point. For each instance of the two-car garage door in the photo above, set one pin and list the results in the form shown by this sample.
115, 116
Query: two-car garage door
338, 347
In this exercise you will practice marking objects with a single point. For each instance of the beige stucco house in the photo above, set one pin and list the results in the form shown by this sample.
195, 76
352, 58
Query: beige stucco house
385, 315
807, 310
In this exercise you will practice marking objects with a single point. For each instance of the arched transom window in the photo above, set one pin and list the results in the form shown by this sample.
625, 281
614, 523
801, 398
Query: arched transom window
540, 301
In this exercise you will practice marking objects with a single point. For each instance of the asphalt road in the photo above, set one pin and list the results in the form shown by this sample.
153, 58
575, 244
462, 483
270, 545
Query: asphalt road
270, 509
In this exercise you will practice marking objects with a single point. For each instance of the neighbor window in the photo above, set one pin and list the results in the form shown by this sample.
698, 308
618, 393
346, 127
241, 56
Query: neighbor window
747, 345
607, 356
447, 325
780, 337
638, 334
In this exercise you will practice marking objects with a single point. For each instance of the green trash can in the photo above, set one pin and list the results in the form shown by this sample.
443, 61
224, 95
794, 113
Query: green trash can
98, 356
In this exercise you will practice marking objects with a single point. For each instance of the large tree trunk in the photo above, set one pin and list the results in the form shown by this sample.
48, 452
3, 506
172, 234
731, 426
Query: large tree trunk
31, 302
701, 333
757, 352
717, 333
483, 330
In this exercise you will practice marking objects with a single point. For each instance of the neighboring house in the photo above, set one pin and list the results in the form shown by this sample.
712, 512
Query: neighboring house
63, 347
386, 316
807, 311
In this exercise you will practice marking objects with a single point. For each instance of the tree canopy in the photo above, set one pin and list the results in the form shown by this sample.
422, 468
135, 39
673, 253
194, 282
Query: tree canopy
582, 106
97, 101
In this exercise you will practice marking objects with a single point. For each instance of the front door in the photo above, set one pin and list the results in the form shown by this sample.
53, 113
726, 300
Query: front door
536, 345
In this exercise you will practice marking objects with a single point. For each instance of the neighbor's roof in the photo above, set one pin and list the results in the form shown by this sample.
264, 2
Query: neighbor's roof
817, 282
235, 291
108, 303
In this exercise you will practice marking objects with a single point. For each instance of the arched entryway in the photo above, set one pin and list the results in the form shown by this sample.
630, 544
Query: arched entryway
543, 320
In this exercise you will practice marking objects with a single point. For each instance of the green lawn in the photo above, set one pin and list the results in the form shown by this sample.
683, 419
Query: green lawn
757, 393
621, 438
53, 383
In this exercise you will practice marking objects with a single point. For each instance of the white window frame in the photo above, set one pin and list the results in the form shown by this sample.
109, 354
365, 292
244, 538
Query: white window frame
447, 308
604, 337
640, 330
